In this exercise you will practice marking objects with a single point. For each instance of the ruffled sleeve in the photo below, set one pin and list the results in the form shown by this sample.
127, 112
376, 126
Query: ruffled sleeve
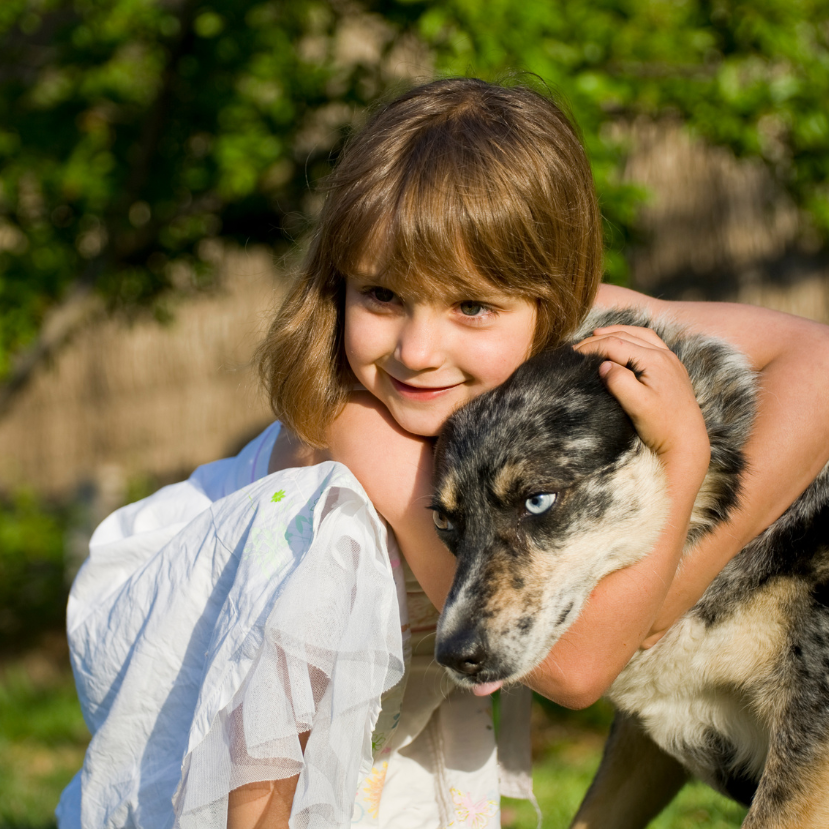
206, 635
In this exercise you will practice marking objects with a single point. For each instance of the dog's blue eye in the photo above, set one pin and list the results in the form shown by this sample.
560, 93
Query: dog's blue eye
537, 504
441, 521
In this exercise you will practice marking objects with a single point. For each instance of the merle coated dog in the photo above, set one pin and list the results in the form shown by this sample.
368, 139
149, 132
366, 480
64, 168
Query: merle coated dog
543, 487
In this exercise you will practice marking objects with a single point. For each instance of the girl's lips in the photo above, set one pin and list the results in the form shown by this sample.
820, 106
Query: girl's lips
417, 392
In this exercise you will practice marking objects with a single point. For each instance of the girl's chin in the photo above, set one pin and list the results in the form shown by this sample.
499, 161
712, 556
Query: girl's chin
418, 429
419, 423
421, 417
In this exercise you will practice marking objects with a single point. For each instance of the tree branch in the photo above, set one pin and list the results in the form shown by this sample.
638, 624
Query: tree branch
82, 303
61, 323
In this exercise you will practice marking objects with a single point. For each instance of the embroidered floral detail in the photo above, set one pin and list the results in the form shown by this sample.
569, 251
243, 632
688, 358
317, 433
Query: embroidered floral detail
278, 496
374, 788
472, 814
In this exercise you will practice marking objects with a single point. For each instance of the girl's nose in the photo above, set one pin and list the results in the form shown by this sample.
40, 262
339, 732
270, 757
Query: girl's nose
418, 343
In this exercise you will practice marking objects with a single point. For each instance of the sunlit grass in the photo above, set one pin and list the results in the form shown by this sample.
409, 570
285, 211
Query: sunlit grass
42, 737
568, 747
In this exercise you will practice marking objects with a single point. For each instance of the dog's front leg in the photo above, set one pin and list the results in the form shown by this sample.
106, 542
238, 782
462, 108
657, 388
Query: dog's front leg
634, 783
793, 792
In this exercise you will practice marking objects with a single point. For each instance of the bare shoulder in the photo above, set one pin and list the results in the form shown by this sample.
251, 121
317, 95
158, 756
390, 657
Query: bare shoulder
395, 469
290, 451
760, 333
394, 466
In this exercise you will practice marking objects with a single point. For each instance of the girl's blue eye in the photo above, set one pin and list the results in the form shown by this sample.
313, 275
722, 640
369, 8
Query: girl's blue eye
471, 309
540, 503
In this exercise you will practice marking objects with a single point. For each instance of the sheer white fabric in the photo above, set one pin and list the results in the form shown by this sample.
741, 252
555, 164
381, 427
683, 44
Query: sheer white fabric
209, 629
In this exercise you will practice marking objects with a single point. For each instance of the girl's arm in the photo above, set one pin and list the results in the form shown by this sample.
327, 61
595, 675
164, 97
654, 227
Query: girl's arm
624, 605
790, 444
264, 805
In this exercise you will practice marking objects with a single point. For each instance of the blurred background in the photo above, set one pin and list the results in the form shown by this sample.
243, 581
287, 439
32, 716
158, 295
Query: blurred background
159, 169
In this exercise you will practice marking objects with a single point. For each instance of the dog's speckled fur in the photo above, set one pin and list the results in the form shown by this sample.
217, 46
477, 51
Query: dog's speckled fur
737, 692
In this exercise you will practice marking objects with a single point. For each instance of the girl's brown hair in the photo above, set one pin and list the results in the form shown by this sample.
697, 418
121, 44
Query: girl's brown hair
455, 185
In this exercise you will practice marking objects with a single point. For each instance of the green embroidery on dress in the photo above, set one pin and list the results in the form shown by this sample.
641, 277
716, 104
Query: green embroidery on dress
278, 496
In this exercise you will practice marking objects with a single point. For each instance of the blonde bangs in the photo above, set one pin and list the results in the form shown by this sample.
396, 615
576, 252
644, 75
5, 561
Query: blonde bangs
406, 235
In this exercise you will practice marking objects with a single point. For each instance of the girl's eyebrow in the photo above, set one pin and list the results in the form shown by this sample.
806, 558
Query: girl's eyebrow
484, 295
365, 276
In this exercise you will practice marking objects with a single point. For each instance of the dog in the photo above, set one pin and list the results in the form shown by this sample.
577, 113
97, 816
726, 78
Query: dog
543, 487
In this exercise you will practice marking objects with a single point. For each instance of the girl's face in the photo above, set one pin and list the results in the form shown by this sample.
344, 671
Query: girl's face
425, 358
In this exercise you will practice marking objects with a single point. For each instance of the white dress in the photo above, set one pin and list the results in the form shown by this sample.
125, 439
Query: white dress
221, 617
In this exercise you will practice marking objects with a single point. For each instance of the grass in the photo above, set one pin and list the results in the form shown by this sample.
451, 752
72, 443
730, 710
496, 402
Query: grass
42, 735
43, 739
562, 778
567, 747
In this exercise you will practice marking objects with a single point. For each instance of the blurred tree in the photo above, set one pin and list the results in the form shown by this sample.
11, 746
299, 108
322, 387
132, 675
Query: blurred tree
134, 133
752, 75
32, 585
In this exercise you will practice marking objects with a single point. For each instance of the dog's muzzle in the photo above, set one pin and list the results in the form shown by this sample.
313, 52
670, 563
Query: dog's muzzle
464, 652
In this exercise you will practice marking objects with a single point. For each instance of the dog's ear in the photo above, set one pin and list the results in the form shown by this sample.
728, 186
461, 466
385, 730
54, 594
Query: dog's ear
568, 375
567, 368
446, 438
556, 400
631, 365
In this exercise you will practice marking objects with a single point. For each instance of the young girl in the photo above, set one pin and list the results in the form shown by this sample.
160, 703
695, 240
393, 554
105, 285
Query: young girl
460, 235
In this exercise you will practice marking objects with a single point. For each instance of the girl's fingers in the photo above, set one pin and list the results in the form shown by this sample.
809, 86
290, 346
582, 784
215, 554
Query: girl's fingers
643, 337
658, 397
636, 331
623, 384
651, 360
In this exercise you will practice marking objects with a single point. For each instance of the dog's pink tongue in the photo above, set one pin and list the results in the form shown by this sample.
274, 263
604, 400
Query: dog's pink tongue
486, 688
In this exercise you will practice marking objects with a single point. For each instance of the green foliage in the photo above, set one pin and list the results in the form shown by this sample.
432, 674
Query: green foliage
42, 738
597, 717
563, 776
752, 75
569, 746
134, 131
32, 587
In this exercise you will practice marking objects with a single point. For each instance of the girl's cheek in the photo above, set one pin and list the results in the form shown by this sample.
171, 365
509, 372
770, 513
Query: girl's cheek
499, 360
352, 329
364, 342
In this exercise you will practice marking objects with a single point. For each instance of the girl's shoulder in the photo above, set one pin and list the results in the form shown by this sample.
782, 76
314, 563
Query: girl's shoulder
395, 469
383, 457
391, 463
615, 296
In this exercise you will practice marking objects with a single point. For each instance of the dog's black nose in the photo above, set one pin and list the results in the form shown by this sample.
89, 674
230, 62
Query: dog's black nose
463, 652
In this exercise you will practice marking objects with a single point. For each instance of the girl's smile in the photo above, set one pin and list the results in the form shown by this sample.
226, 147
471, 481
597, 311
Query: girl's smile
420, 392
423, 358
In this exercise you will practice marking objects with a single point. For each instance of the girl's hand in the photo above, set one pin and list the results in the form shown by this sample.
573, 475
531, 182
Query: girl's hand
653, 387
